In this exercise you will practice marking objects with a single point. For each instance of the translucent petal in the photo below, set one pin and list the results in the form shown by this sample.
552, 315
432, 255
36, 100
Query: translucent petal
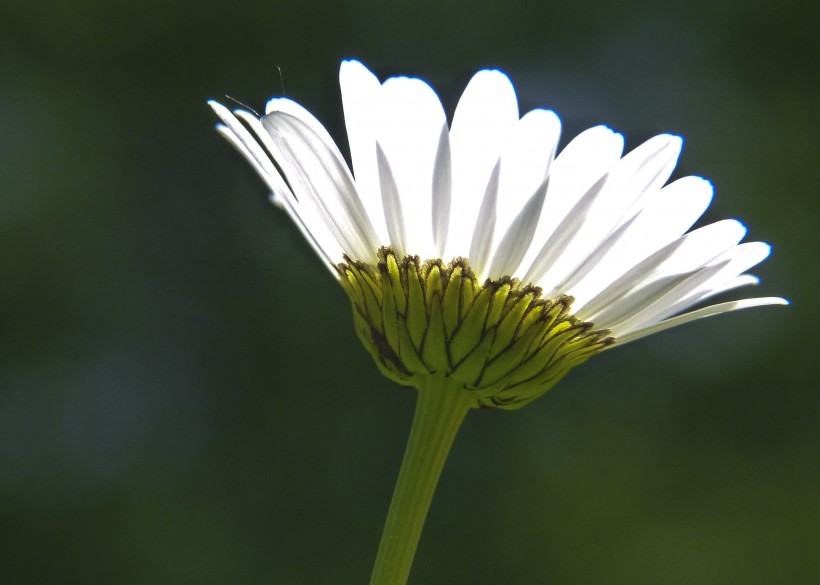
485, 115
581, 163
592, 261
307, 219
361, 94
291, 108
734, 262
485, 225
627, 316
242, 139
525, 162
704, 245
517, 240
555, 246
409, 133
393, 213
319, 177
327, 158
700, 314
645, 168
442, 191
683, 256
666, 215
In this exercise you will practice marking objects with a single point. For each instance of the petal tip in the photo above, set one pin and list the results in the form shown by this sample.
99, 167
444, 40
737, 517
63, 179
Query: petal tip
493, 76
353, 70
703, 180
281, 104
218, 108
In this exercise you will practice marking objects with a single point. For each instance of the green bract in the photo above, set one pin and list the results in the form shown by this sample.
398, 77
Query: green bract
502, 341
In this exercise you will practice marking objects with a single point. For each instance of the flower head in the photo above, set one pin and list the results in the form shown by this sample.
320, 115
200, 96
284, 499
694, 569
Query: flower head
475, 250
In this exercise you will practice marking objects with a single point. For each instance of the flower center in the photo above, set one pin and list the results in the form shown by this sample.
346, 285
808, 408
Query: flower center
502, 341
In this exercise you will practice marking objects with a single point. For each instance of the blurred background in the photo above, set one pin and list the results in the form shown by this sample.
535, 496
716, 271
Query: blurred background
182, 396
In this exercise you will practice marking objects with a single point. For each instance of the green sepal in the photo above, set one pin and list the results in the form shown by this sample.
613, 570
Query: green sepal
469, 289
390, 314
509, 324
450, 302
434, 352
416, 309
503, 364
469, 332
540, 360
370, 292
433, 285
497, 303
407, 352
391, 271
389, 366
470, 369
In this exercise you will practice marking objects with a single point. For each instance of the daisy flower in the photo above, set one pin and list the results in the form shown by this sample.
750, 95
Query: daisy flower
482, 263
476, 250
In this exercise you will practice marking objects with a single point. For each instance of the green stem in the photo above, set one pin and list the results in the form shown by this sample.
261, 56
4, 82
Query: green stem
440, 409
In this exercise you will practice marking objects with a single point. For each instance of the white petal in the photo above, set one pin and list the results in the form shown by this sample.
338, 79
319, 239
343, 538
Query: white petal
262, 137
290, 107
245, 143
511, 249
333, 165
486, 113
525, 162
692, 300
666, 215
643, 169
552, 250
361, 99
735, 261
409, 133
683, 256
305, 218
580, 165
442, 191
393, 213
700, 314
628, 315
319, 177
485, 225
737, 282
593, 261
703, 246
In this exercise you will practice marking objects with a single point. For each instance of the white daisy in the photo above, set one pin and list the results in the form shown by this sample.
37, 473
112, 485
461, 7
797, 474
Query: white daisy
478, 252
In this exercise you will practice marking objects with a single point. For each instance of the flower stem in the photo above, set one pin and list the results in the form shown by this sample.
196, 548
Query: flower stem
441, 407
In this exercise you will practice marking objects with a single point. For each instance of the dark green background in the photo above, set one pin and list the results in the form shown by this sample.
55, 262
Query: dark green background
182, 396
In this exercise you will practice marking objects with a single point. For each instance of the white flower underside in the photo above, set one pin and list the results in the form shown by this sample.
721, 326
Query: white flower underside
590, 222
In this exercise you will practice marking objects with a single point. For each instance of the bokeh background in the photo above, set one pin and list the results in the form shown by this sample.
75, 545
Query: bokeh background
182, 396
